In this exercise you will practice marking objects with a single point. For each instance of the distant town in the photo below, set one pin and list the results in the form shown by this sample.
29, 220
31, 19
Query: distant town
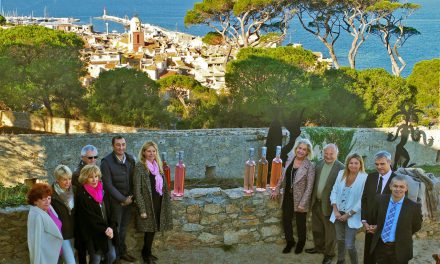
154, 50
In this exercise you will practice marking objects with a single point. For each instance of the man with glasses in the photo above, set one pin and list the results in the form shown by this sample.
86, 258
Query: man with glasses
89, 156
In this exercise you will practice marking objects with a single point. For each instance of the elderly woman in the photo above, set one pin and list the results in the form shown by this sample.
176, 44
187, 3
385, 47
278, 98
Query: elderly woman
346, 201
97, 224
44, 227
152, 197
63, 203
297, 179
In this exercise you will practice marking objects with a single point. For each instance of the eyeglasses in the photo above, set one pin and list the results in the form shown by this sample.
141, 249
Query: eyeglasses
92, 157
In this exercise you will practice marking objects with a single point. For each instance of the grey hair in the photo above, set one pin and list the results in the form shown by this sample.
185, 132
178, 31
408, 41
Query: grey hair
306, 142
62, 171
399, 178
332, 145
382, 154
88, 148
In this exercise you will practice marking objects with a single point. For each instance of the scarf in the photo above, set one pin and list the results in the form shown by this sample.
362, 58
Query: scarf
154, 169
96, 193
65, 196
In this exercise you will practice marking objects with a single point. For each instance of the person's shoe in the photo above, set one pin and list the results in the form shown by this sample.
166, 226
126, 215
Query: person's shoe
289, 246
311, 250
299, 247
128, 258
327, 260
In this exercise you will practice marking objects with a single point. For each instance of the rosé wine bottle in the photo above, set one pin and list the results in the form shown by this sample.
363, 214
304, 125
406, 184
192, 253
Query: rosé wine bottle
179, 177
276, 170
166, 169
263, 166
249, 173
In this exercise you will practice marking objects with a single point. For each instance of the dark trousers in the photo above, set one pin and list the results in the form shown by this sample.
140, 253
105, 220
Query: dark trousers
368, 258
386, 254
324, 234
123, 217
82, 252
148, 243
300, 218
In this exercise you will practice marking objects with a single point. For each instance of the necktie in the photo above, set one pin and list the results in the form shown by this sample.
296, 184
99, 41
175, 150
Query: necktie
389, 223
379, 187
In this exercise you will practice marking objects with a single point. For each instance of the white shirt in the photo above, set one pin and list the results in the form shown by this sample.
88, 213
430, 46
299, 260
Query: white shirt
385, 177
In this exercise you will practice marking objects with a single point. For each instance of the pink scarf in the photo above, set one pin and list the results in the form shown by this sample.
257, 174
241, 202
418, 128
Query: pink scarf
96, 192
154, 169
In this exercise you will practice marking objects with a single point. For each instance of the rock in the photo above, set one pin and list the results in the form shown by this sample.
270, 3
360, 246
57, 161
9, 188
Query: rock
192, 227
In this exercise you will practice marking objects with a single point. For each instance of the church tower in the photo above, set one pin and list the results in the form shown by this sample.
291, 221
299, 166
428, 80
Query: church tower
136, 34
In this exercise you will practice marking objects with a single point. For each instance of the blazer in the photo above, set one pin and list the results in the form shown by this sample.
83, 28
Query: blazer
91, 222
354, 198
302, 183
369, 195
144, 202
44, 237
409, 222
325, 195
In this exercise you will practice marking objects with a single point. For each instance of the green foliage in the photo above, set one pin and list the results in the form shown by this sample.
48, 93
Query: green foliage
341, 137
425, 78
13, 196
213, 38
126, 97
41, 67
2, 20
194, 111
382, 94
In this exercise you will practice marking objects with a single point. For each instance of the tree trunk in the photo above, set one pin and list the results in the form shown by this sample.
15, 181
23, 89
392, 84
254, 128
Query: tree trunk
353, 52
331, 50
48, 106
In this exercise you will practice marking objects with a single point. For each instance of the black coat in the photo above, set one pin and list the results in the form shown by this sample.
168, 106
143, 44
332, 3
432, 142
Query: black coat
409, 222
118, 177
369, 195
66, 216
75, 174
92, 224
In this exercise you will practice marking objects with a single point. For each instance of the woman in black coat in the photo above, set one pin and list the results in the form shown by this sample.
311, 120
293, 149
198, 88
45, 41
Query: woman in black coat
97, 225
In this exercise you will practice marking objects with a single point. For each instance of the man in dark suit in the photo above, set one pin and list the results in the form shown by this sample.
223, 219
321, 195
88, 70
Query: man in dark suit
326, 172
376, 184
398, 218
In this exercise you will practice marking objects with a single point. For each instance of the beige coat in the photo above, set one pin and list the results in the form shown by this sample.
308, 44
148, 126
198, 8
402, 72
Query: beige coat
143, 199
302, 184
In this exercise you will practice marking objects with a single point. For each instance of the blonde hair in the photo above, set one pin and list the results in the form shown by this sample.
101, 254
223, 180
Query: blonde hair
88, 171
347, 161
306, 142
141, 157
62, 171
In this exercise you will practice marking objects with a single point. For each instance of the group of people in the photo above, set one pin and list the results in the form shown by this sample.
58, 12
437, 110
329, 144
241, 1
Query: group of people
344, 198
89, 210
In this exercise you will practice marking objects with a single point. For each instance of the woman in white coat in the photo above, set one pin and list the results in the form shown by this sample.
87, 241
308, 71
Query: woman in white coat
44, 227
346, 201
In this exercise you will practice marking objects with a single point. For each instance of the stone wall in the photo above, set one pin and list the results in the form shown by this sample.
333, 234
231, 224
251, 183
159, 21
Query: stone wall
28, 156
204, 217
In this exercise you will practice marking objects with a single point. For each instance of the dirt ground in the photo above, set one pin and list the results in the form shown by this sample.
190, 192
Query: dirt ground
271, 253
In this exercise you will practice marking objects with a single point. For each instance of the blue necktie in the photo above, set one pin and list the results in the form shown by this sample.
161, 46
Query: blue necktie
389, 223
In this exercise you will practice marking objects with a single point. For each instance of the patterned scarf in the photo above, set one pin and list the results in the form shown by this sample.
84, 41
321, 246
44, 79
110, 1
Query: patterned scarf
65, 196
154, 169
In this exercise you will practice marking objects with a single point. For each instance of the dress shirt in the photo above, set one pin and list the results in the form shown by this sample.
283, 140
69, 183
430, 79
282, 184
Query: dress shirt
398, 204
385, 179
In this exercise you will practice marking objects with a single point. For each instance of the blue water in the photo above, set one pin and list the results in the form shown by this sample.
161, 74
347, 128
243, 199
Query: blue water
169, 14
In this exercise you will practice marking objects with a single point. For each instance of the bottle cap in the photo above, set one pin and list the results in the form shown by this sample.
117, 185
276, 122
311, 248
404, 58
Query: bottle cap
278, 152
181, 155
164, 156
251, 153
263, 151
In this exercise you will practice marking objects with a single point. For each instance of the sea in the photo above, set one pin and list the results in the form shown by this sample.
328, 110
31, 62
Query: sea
170, 14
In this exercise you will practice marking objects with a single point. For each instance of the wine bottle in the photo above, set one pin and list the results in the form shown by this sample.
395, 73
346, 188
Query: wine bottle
249, 173
263, 166
276, 170
179, 176
166, 169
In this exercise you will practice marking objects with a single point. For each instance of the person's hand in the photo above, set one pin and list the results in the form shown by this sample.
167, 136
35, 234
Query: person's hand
144, 215
337, 214
372, 229
274, 194
366, 226
301, 209
128, 201
109, 232
343, 218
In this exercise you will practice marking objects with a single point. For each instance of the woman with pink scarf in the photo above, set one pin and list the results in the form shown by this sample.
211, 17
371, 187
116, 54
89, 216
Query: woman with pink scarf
152, 196
96, 223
